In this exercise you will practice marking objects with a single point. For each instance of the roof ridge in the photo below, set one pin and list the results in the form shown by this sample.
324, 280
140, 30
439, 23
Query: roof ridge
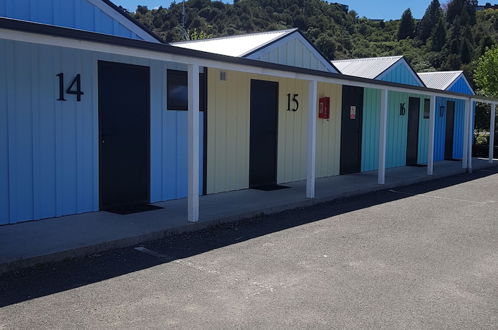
438, 72
370, 58
286, 32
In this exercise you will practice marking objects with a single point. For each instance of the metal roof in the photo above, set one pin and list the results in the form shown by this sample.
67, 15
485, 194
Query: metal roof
439, 80
369, 68
237, 46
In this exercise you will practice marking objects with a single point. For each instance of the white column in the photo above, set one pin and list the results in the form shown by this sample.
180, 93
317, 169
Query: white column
382, 136
471, 135
466, 133
193, 142
311, 155
432, 124
492, 127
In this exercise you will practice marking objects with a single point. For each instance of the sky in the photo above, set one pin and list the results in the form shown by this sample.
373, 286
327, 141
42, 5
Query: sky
378, 9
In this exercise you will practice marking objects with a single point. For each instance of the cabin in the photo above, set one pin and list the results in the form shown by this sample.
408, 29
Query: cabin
450, 114
256, 125
407, 125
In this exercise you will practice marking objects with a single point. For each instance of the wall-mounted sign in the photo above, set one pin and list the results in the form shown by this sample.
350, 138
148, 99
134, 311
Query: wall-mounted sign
73, 89
324, 108
292, 104
352, 112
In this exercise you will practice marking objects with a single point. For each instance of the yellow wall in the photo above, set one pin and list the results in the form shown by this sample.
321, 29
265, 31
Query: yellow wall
328, 133
229, 128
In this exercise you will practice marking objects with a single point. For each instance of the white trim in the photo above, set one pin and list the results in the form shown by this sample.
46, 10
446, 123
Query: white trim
285, 39
432, 125
466, 134
451, 84
65, 42
311, 152
123, 20
470, 105
193, 143
395, 65
492, 127
384, 101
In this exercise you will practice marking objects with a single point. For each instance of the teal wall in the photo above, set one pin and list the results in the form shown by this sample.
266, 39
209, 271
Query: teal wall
397, 127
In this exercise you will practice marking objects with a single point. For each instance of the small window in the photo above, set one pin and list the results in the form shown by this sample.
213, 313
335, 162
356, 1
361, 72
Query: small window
178, 90
427, 108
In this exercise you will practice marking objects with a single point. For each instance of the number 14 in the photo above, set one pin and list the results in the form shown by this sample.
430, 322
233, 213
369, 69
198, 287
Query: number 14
70, 90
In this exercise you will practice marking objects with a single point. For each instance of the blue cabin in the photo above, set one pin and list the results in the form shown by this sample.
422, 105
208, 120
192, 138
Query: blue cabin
450, 113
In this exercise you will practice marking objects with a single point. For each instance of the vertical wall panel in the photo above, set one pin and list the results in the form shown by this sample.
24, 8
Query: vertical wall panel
458, 134
423, 135
79, 14
370, 134
401, 73
291, 51
328, 140
5, 59
440, 129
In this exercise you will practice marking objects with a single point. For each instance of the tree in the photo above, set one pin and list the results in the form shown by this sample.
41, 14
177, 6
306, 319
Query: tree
438, 38
486, 73
430, 21
406, 26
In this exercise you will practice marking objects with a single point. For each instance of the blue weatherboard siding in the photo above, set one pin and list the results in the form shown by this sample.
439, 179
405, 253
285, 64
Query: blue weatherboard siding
49, 149
77, 14
460, 86
397, 127
400, 73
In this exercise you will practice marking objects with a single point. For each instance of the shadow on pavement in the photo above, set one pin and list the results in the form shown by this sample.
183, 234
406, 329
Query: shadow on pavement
48, 279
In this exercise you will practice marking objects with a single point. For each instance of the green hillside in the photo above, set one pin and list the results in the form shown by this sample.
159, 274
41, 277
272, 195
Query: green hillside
449, 37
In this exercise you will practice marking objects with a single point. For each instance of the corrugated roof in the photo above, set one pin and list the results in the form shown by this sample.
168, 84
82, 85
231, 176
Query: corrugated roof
369, 68
439, 80
237, 46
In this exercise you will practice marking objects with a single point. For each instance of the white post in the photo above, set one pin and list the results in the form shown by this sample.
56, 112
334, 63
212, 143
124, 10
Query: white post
193, 142
469, 104
432, 124
382, 136
311, 157
492, 127
466, 133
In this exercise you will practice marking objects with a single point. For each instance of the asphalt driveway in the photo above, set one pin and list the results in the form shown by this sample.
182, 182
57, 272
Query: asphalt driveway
419, 257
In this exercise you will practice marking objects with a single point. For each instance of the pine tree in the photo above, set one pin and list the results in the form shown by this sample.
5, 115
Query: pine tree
438, 38
466, 52
406, 26
430, 21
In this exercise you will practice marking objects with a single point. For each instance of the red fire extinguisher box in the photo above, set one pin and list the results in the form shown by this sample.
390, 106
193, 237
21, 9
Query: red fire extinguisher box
324, 108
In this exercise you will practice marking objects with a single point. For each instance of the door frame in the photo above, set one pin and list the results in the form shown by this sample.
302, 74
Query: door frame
101, 63
277, 93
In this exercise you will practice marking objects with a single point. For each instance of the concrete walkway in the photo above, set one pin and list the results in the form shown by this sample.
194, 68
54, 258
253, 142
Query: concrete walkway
31, 243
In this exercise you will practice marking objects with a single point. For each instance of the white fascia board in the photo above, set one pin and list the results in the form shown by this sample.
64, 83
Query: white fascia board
402, 61
464, 79
123, 20
35, 38
286, 39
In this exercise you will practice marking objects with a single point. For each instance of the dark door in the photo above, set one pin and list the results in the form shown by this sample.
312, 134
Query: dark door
263, 133
124, 134
450, 129
413, 127
352, 119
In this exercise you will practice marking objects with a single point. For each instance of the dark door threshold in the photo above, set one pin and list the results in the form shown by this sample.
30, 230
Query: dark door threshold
270, 187
130, 209
417, 165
